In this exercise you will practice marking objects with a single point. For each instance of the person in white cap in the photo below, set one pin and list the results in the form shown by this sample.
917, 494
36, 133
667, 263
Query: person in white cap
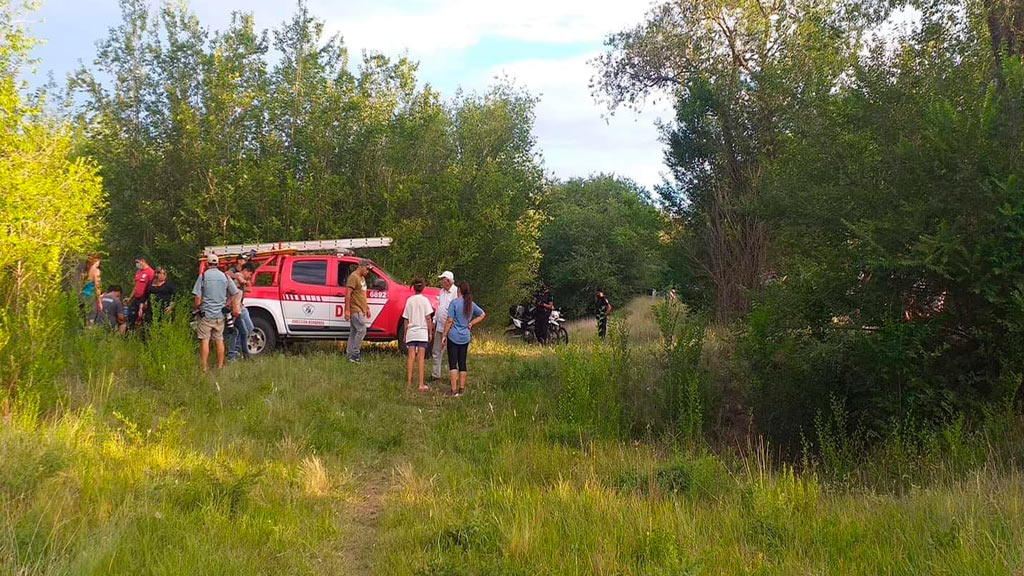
448, 293
210, 298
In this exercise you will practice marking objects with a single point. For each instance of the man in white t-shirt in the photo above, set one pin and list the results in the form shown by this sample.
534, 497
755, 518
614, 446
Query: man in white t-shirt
418, 328
448, 293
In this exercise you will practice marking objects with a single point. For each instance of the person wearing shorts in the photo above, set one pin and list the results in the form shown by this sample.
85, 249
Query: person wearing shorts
211, 294
463, 315
418, 328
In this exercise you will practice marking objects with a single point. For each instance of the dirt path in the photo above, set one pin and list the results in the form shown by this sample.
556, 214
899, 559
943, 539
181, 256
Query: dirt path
362, 515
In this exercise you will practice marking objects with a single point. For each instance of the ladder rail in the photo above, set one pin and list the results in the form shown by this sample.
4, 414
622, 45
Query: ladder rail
339, 245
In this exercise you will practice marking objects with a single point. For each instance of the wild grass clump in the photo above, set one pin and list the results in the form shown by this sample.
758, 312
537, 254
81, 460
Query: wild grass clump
623, 389
913, 453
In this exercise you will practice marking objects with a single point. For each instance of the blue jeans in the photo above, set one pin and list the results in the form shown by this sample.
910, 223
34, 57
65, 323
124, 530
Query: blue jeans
240, 339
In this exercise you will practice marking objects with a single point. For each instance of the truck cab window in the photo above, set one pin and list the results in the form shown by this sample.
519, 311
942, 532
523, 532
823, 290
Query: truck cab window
310, 272
344, 269
373, 280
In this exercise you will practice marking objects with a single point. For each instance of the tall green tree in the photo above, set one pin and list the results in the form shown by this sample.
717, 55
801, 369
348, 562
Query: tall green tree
603, 233
737, 68
204, 141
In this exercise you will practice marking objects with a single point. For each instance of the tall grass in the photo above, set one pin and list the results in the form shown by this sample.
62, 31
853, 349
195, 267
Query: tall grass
557, 461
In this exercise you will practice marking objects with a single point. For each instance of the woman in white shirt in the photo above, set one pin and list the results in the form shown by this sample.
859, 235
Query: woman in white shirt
418, 328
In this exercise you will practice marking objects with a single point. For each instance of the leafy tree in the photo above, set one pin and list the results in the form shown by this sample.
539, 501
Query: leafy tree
736, 68
898, 204
48, 215
599, 233
203, 141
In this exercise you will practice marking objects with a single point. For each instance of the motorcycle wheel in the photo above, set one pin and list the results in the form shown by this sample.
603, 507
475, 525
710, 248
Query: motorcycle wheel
560, 336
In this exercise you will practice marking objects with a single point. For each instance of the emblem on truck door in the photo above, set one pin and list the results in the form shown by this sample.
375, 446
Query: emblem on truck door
307, 309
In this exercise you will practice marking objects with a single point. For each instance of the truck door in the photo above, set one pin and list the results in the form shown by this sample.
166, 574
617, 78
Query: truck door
376, 293
309, 295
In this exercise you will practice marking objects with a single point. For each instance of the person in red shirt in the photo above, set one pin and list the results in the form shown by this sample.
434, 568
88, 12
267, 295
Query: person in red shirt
143, 276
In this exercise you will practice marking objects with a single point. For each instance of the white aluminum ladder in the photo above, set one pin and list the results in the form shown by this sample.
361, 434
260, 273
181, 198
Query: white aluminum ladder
343, 245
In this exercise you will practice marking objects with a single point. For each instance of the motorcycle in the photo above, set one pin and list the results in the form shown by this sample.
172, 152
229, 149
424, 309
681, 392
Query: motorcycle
522, 326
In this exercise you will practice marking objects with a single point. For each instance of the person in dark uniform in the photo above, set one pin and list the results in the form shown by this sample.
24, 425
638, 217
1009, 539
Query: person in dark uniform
159, 296
602, 308
543, 304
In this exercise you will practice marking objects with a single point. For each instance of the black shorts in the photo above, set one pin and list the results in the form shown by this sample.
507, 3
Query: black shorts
457, 356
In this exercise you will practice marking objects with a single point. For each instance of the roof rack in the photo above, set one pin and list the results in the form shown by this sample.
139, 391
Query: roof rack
343, 245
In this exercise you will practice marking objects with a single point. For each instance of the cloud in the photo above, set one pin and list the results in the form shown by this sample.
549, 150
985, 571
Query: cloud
576, 134
428, 27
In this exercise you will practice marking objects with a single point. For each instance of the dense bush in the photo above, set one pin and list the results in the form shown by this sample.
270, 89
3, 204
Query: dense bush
49, 205
899, 208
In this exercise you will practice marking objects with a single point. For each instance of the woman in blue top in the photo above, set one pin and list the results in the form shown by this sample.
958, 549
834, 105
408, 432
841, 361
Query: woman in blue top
91, 304
463, 314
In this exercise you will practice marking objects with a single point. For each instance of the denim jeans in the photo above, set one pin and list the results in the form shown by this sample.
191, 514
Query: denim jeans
240, 337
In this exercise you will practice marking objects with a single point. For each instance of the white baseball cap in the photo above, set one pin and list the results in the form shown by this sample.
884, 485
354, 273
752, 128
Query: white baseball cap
448, 274
212, 258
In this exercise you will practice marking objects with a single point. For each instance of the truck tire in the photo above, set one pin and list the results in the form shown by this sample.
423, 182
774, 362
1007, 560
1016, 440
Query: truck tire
263, 339
402, 348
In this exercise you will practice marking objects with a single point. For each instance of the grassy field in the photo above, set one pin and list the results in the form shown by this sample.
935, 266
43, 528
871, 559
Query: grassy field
302, 463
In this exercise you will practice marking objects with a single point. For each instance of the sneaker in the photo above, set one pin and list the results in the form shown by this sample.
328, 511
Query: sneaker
457, 394
355, 360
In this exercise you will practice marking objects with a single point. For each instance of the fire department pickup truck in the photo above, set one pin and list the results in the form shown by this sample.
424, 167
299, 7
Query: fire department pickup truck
298, 292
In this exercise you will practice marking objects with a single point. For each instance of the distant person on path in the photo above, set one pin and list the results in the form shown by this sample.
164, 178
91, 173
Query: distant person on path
91, 304
543, 304
448, 293
239, 339
602, 308
418, 328
463, 314
357, 312
159, 295
211, 295
112, 310
137, 305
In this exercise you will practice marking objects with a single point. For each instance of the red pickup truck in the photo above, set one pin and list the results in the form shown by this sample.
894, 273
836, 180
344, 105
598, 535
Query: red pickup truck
298, 292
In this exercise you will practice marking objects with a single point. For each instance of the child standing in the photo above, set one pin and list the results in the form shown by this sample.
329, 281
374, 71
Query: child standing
418, 328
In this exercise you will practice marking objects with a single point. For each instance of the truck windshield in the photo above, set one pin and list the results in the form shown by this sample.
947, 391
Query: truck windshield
387, 274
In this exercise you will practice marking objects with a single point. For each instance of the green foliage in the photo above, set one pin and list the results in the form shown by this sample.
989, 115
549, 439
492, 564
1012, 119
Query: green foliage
204, 139
48, 217
687, 392
599, 233
897, 202
855, 201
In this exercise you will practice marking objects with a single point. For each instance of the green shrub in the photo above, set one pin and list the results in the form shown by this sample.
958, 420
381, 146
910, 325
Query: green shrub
48, 219
167, 354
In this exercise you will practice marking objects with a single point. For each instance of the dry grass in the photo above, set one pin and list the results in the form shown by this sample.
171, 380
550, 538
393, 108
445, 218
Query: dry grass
637, 317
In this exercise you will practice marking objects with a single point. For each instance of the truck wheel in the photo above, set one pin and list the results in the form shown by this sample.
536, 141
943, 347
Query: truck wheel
263, 339
402, 348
